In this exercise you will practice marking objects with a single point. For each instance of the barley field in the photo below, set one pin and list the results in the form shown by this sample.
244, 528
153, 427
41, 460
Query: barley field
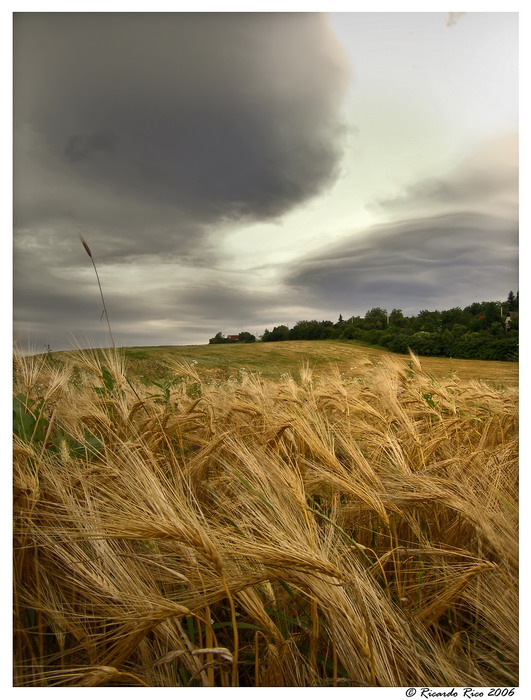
272, 360
324, 525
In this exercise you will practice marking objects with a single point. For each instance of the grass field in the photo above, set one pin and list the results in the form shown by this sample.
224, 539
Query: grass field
276, 359
284, 514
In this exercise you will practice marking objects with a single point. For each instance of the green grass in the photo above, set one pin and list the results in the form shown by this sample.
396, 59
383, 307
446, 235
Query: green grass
273, 360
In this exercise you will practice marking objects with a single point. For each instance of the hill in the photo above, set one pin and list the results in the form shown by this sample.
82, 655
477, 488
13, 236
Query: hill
275, 359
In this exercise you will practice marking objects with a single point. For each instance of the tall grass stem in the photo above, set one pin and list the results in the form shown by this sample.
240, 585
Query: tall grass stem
89, 252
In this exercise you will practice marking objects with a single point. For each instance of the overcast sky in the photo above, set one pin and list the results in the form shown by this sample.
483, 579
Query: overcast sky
235, 172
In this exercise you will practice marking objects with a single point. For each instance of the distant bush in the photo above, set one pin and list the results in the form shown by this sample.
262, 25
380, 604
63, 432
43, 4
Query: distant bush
243, 337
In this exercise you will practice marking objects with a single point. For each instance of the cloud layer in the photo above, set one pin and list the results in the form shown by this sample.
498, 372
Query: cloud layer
159, 136
445, 235
420, 263
486, 180
151, 128
150, 134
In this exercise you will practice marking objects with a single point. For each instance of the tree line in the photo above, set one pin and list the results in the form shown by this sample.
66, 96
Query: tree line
486, 330
243, 337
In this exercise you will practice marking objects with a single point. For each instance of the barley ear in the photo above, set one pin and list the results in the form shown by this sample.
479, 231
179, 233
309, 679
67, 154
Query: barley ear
85, 245
104, 313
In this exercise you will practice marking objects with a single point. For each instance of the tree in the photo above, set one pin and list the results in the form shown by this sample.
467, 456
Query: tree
399, 343
245, 337
428, 321
459, 329
217, 339
425, 343
305, 330
396, 318
497, 329
376, 319
279, 333
451, 317
476, 331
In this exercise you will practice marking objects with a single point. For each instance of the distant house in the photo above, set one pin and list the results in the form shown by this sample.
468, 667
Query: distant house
233, 338
511, 316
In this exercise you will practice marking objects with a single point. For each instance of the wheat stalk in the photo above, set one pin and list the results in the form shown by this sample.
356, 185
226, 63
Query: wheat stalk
89, 253
353, 534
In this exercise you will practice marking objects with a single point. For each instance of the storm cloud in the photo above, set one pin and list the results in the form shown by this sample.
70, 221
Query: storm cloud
174, 305
413, 265
205, 156
202, 118
444, 235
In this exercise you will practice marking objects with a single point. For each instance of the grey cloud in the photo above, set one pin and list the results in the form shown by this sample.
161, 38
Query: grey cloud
213, 117
423, 263
55, 305
486, 181
81, 146
148, 134
430, 262
231, 301
52, 209
450, 191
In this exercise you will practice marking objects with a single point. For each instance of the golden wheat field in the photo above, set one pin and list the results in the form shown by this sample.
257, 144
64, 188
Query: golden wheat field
314, 529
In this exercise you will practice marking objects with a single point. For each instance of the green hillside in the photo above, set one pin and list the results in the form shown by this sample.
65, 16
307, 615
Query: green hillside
275, 359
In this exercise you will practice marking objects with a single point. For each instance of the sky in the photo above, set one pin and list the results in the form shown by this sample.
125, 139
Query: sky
233, 172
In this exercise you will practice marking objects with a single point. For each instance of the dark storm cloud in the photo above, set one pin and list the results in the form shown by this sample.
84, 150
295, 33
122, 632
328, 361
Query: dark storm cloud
81, 146
148, 133
430, 262
452, 239
59, 309
205, 117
